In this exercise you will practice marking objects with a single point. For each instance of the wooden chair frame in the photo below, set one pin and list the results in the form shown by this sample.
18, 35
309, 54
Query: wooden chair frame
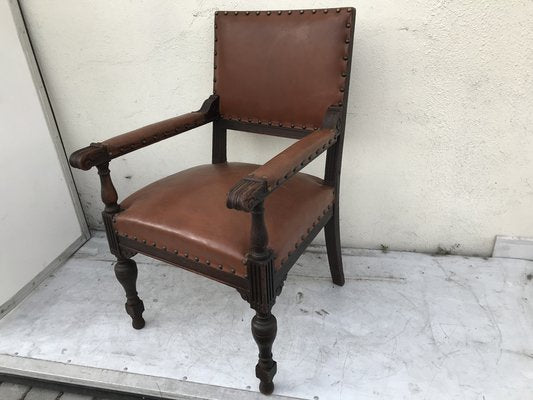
263, 283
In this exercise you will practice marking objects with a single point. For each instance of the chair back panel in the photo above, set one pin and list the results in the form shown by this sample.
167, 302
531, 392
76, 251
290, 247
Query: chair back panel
282, 68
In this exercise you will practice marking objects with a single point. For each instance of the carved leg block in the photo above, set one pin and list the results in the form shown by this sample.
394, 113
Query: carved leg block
126, 273
264, 328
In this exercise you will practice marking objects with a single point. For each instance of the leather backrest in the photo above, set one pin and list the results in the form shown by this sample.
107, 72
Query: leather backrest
282, 68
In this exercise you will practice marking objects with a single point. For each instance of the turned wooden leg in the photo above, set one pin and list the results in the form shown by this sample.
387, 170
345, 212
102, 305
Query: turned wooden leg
264, 328
126, 273
333, 246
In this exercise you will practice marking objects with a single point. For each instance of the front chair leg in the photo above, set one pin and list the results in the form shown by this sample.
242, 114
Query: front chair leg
126, 273
264, 328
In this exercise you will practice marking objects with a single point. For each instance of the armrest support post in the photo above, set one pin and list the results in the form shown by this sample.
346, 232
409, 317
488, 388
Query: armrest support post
258, 234
108, 191
260, 264
110, 198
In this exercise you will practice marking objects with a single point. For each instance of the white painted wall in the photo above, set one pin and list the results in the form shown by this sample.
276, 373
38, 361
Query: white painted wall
439, 148
37, 217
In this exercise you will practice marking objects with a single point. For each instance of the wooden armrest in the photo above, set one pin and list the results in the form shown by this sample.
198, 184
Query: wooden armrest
252, 189
100, 153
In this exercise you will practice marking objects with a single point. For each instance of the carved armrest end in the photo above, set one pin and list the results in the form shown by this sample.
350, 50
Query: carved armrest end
247, 193
88, 157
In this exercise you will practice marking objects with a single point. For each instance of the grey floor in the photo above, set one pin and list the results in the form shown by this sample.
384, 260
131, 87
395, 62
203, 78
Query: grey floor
12, 391
405, 326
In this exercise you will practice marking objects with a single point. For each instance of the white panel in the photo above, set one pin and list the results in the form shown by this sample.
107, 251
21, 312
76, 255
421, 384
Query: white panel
513, 247
37, 214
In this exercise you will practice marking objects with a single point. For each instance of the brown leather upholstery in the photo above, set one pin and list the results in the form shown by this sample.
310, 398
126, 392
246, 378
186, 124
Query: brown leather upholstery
187, 212
285, 68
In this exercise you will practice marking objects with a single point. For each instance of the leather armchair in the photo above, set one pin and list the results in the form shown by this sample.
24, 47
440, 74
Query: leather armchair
268, 79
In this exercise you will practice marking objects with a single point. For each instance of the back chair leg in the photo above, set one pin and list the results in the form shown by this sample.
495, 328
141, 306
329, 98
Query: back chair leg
333, 246
264, 328
126, 273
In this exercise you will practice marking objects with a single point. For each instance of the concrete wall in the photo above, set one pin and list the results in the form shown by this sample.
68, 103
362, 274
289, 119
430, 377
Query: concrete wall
439, 148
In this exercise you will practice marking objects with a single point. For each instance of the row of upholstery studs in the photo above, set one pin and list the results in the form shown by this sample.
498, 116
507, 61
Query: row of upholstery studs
269, 123
289, 12
176, 252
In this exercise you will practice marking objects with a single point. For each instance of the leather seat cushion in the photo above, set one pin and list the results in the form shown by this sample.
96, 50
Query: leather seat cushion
187, 212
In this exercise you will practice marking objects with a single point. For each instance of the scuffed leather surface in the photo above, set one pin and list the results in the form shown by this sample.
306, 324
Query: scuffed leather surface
282, 69
187, 212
